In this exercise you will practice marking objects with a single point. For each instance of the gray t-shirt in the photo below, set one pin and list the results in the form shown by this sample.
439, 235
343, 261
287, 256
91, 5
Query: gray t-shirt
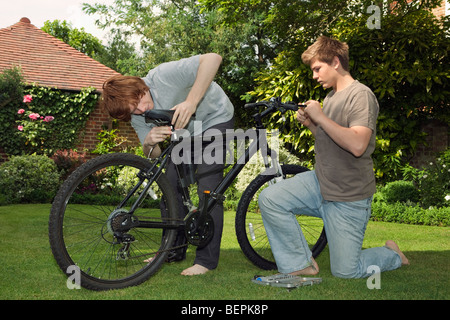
170, 84
341, 175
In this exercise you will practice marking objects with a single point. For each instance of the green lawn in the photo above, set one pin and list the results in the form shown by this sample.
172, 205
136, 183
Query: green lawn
29, 272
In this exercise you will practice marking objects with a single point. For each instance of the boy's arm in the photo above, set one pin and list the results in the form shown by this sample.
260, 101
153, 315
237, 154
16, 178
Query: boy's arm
354, 139
208, 67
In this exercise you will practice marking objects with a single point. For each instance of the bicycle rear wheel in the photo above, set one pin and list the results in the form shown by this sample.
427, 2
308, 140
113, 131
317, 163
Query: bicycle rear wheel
86, 227
250, 230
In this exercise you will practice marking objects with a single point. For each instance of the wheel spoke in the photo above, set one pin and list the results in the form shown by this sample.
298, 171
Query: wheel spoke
88, 230
250, 229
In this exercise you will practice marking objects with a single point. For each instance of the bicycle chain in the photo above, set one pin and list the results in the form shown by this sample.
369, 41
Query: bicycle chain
166, 250
160, 251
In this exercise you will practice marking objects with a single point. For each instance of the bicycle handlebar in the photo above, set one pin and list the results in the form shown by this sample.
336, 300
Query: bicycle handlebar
275, 104
164, 117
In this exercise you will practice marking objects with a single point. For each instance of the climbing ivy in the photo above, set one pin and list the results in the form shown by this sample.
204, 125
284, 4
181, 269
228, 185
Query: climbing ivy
25, 133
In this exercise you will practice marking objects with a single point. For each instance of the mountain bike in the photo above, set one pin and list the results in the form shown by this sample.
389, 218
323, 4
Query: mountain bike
115, 218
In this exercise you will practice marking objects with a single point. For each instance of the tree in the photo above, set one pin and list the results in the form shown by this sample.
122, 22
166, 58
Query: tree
11, 87
405, 62
171, 30
78, 39
119, 54
264, 39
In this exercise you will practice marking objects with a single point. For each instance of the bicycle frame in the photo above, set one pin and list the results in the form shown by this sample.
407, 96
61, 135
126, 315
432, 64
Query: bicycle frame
216, 195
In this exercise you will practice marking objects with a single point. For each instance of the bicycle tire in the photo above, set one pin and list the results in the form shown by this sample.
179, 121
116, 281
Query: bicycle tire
250, 231
82, 224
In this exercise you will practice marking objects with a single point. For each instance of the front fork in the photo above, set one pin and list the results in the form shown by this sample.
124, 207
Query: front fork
272, 165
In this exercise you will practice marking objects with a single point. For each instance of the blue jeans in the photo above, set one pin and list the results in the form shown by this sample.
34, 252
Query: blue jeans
344, 222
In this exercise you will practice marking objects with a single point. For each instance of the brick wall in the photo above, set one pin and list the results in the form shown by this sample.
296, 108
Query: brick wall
126, 130
440, 11
3, 156
437, 140
98, 121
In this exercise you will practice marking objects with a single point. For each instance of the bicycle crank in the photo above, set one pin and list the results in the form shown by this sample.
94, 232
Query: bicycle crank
199, 233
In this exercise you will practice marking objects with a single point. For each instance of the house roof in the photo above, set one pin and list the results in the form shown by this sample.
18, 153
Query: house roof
48, 61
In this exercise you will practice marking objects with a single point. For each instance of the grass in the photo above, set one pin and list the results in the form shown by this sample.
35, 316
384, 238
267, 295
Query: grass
29, 272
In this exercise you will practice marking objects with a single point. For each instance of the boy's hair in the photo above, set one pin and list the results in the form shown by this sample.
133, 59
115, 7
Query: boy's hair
121, 92
325, 49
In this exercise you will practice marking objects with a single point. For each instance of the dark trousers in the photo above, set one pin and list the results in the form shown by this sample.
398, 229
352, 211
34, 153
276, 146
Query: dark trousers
209, 177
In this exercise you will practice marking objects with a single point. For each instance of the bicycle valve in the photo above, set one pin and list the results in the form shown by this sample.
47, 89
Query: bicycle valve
174, 134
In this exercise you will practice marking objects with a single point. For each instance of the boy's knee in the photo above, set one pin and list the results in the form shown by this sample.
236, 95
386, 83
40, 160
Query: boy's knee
343, 275
264, 199
346, 273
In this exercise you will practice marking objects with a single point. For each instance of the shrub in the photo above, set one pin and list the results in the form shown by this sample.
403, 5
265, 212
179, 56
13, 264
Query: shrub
32, 178
67, 161
432, 181
256, 164
401, 213
10, 85
399, 191
110, 142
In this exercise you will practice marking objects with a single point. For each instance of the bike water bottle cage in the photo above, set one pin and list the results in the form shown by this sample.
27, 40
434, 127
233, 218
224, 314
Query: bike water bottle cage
159, 117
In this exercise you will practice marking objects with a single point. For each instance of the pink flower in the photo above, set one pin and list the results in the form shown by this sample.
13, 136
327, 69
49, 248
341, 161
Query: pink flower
27, 98
20, 128
49, 118
34, 116
21, 111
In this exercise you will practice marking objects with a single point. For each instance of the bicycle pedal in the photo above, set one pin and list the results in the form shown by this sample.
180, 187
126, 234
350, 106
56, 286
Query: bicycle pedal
175, 256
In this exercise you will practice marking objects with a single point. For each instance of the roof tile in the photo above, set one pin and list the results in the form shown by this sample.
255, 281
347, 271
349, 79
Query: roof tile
48, 61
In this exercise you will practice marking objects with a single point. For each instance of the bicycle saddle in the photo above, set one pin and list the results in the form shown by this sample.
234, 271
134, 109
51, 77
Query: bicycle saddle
159, 117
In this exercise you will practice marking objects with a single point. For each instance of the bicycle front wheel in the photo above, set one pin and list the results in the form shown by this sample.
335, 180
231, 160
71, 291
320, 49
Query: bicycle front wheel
250, 230
106, 244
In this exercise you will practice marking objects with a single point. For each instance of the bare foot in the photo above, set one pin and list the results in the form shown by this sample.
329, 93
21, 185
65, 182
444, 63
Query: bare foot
149, 260
195, 270
392, 245
308, 271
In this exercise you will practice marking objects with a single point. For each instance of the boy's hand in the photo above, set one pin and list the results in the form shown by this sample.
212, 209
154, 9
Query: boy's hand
182, 115
314, 111
302, 117
157, 135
